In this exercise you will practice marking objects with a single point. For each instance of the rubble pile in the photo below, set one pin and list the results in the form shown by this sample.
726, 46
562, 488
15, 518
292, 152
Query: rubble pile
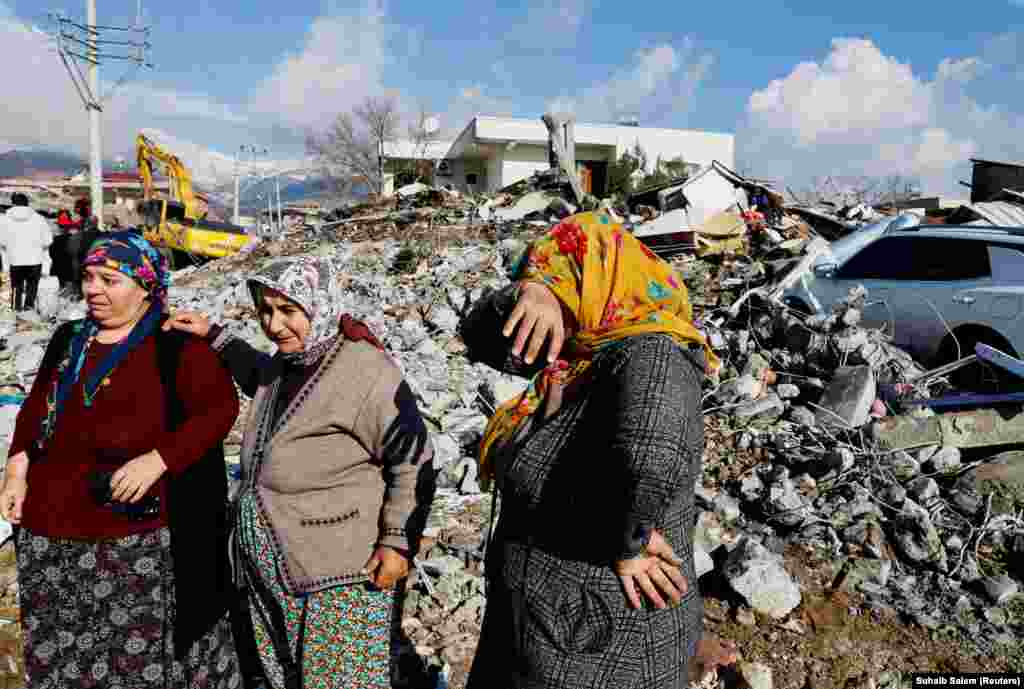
801, 453
798, 451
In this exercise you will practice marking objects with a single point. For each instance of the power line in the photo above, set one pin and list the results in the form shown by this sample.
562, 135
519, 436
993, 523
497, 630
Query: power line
87, 46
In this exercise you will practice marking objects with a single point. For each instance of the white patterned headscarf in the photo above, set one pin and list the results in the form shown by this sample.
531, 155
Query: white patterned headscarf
311, 284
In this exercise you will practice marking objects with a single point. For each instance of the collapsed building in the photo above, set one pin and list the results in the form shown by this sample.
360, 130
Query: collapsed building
821, 435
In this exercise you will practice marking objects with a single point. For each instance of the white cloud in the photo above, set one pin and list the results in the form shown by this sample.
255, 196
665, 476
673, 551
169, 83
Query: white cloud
856, 91
661, 79
861, 112
340, 65
545, 27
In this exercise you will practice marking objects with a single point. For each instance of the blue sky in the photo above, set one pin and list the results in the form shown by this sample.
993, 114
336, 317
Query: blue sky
809, 88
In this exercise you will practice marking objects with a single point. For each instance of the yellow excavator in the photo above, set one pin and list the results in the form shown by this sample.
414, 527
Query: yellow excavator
175, 225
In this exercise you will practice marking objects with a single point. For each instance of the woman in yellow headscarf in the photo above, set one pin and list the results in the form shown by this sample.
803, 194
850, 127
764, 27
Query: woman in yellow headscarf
596, 462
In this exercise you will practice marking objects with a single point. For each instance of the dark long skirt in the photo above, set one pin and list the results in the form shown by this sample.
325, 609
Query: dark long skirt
100, 614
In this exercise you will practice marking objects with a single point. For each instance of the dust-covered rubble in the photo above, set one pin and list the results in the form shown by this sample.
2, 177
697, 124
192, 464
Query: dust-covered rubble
792, 455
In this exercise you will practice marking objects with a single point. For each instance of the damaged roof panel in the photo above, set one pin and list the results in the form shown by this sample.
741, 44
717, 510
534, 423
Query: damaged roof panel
1000, 213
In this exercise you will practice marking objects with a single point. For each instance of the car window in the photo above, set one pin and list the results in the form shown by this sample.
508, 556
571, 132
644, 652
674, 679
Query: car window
1007, 263
844, 248
940, 259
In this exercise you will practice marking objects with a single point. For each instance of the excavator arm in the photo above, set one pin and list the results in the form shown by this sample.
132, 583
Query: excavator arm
174, 226
181, 181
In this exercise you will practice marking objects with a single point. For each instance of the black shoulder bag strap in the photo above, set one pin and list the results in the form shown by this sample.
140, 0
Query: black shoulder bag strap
197, 519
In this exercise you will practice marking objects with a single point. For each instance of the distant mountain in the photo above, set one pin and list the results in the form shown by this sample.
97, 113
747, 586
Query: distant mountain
214, 170
312, 188
25, 163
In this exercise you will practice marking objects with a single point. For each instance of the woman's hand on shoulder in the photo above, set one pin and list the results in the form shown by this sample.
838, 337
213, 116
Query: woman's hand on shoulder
12, 495
656, 574
191, 322
386, 567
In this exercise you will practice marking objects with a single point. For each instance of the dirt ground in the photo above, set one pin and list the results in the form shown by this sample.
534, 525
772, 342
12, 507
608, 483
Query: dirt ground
832, 640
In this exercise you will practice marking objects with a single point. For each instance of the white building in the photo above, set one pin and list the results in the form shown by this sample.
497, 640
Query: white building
493, 152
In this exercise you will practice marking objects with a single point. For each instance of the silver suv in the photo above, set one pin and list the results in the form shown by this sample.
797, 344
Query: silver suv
937, 289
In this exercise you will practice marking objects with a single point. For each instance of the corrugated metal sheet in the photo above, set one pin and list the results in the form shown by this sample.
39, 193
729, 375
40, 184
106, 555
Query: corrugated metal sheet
1002, 213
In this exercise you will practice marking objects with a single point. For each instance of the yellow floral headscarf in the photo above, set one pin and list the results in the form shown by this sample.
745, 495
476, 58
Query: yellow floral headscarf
616, 287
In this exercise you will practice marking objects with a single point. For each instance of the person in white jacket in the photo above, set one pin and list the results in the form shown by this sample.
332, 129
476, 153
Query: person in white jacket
25, 237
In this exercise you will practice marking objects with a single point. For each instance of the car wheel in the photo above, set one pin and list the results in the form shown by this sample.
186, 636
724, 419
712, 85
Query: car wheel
981, 376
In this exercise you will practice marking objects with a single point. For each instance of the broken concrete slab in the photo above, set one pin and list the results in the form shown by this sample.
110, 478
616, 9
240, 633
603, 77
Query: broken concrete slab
530, 204
848, 398
978, 428
768, 407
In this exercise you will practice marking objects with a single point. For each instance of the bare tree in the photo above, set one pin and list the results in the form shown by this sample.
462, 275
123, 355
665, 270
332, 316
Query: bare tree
353, 146
422, 133
852, 190
900, 189
865, 190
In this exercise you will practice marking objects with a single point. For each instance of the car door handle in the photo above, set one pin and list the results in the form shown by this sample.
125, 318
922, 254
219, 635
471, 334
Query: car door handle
964, 299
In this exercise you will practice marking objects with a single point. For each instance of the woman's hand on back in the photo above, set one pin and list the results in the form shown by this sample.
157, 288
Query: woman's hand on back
12, 495
191, 322
655, 572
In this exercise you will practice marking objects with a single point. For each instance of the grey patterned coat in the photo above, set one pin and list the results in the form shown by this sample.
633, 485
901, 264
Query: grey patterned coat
625, 452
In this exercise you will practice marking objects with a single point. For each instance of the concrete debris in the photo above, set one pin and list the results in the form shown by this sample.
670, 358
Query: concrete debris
849, 397
757, 574
755, 675
1000, 589
807, 442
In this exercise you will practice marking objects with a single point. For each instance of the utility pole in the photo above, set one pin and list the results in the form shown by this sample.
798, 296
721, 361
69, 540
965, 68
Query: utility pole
90, 44
95, 140
238, 185
280, 217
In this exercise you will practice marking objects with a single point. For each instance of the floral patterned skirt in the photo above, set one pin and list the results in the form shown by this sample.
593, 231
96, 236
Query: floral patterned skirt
348, 632
101, 614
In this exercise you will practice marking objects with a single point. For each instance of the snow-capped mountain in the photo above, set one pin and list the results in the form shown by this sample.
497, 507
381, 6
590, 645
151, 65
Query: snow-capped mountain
213, 170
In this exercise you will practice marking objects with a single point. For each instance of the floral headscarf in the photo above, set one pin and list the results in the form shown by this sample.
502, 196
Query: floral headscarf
128, 253
310, 283
616, 288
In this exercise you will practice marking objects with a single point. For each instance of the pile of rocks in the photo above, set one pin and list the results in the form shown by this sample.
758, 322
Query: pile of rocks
791, 457
793, 423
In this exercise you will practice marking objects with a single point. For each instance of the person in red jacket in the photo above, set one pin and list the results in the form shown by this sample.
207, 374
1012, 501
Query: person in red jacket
64, 220
109, 456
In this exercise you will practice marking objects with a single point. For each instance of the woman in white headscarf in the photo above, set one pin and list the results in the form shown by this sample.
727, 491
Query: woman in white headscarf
336, 481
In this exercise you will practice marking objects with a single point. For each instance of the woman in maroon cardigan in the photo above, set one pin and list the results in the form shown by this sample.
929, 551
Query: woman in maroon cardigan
121, 582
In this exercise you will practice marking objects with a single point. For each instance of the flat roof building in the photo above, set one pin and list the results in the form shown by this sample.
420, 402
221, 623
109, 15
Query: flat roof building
494, 152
